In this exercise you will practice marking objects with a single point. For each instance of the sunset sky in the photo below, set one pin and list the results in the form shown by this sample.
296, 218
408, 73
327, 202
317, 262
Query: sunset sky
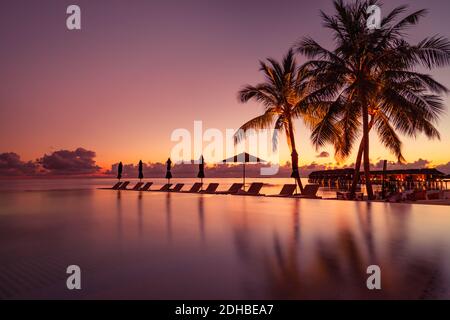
140, 69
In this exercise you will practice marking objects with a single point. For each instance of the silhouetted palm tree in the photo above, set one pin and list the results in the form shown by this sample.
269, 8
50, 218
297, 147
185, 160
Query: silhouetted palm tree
368, 71
281, 95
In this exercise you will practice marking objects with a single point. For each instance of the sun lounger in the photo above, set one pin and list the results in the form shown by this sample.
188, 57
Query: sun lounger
165, 187
137, 186
177, 187
417, 195
394, 197
378, 195
406, 194
116, 186
309, 192
346, 196
146, 187
124, 185
254, 189
420, 195
342, 195
445, 194
212, 187
235, 187
287, 191
359, 196
195, 188
434, 195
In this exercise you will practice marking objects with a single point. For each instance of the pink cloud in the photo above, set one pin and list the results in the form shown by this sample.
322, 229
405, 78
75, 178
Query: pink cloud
323, 154
82, 162
11, 165
65, 162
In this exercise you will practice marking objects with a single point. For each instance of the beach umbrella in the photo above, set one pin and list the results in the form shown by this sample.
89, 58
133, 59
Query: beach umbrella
201, 169
119, 171
243, 158
141, 175
168, 172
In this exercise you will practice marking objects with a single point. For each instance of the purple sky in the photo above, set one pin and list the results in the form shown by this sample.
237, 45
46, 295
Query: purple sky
140, 69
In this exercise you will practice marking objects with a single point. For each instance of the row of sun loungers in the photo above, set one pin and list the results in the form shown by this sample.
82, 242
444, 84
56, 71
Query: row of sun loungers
416, 195
347, 195
288, 190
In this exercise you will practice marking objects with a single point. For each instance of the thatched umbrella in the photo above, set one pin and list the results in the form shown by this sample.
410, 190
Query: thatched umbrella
243, 158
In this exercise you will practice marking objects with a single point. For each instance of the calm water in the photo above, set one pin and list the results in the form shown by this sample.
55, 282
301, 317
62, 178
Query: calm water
182, 246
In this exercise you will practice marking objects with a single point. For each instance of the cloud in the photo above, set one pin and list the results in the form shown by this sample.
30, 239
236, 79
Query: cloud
323, 154
444, 168
158, 170
65, 162
11, 165
418, 164
82, 162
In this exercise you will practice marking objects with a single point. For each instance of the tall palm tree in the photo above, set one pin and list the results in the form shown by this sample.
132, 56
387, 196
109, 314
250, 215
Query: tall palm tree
389, 117
281, 95
372, 70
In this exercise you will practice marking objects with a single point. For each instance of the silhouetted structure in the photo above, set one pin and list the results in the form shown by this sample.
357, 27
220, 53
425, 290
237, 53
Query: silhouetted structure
401, 178
141, 174
243, 158
119, 170
201, 169
169, 168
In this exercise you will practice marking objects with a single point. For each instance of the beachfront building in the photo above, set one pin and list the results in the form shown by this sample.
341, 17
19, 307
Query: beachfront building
404, 179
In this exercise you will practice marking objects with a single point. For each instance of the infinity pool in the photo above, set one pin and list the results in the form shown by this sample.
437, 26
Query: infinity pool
154, 245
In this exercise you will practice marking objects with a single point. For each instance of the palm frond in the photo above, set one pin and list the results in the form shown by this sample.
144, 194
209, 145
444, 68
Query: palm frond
388, 137
264, 121
432, 52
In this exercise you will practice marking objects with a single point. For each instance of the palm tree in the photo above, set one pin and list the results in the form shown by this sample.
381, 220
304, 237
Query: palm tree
372, 70
388, 117
281, 95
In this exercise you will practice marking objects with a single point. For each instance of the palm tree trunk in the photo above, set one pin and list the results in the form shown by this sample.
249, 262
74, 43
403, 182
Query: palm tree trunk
294, 155
357, 169
358, 161
365, 114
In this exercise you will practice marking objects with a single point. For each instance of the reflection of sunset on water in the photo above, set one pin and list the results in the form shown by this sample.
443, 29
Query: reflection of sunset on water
162, 245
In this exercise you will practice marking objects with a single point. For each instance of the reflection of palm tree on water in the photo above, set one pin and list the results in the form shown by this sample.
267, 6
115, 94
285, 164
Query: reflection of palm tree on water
169, 216
119, 215
201, 217
338, 268
333, 267
140, 213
